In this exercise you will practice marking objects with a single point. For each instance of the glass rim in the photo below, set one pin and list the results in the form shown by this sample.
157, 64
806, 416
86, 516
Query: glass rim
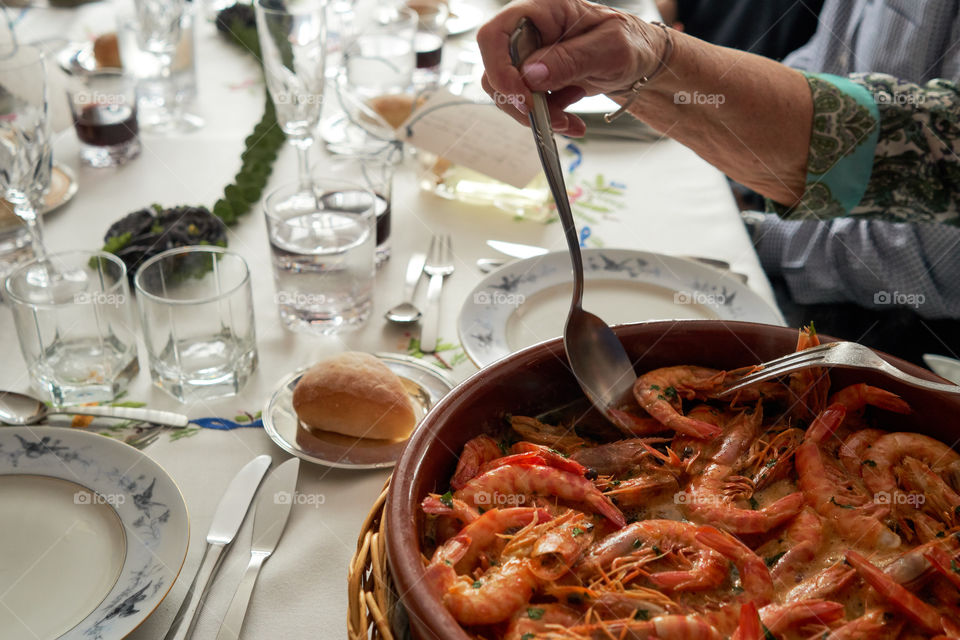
197, 248
120, 283
369, 212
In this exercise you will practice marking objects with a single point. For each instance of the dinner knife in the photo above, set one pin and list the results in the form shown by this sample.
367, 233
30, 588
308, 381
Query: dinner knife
273, 510
226, 522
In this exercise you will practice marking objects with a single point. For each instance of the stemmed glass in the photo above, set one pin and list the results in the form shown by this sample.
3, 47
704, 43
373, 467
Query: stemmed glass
26, 157
159, 30
292, 42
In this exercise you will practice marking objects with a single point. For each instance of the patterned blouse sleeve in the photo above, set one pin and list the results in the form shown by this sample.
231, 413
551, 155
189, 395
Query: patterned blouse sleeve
882, 148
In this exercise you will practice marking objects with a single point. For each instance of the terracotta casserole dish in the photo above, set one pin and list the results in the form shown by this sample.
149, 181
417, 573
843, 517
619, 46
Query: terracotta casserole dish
538, 379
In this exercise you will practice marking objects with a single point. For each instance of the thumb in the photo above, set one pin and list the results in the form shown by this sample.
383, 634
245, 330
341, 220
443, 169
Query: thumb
557, 65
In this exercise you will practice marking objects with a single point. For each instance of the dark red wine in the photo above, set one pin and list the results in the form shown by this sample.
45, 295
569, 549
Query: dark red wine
429, 48
105, 126
383, 219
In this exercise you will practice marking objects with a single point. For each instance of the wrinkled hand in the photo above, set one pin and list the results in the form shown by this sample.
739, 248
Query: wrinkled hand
588, 49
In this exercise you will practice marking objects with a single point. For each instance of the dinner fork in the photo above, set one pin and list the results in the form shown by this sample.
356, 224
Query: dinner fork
439, 266
848, 355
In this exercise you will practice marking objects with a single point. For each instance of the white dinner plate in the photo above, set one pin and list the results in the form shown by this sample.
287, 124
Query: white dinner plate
527, 301
93, 535
463, 17
425, 385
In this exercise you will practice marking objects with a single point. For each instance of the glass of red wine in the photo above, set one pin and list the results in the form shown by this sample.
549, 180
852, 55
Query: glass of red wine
104, 108
428, 41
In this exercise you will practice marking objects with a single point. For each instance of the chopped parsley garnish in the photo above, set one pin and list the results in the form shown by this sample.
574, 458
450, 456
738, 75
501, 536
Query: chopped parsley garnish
534, 613
655, 387
447, 500
842, 506
477, 584
527, 636
670, 392
577, 531
772, 560
656, 549
954, 567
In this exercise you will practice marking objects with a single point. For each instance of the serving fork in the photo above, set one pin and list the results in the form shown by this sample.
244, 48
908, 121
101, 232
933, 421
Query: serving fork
848, 355
439, 265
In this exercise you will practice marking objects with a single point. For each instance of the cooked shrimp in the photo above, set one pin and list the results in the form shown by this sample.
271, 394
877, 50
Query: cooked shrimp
854, 449
617, 457
804, 537
773, 459
538, 619
907, 604
875, 624
636, 603
480, 536
517, 482
550, 457
477, 452
649, 540
931, 493
668, 627
820, 490
633, 425
557, 437
748, 627
707, 499
638, 491
857, 396
944, 563
754, 575
783, 618
660, 392
822, 585
493, 597
437, 505
810, 386
560, 546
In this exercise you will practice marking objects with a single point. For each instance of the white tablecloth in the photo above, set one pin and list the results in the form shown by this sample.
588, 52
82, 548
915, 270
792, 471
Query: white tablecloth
675, 203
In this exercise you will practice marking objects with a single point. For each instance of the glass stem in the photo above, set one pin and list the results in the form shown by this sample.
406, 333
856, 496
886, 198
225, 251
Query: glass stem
28, 214
303, 164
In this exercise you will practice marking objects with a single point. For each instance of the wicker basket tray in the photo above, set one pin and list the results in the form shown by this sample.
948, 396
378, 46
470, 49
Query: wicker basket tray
373, 610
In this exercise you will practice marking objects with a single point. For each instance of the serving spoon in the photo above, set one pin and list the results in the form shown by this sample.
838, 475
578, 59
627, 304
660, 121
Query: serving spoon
597, 357
19, 409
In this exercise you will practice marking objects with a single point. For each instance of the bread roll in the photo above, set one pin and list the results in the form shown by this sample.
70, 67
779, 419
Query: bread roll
354, 394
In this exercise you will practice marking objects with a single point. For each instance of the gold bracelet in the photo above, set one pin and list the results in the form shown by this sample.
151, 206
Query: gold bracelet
635, 88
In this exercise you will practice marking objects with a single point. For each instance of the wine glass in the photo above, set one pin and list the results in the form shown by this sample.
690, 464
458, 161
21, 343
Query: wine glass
26, 157
158, 32
293, 46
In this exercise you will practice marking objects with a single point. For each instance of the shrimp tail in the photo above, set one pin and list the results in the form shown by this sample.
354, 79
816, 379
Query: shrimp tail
912, 607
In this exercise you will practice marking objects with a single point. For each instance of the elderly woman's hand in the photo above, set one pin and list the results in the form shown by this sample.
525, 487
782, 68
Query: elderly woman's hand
587, 49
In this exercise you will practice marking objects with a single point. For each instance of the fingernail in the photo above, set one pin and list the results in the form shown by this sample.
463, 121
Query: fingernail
535, 72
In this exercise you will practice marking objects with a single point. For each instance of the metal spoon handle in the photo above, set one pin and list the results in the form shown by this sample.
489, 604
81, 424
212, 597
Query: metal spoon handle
166, 418
412, 279
550, 157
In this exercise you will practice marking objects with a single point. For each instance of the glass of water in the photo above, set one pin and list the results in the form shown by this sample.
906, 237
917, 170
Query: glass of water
323, 245
379, 56
196, 308
76, 331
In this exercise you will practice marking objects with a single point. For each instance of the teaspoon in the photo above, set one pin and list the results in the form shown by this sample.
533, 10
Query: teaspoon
19, 409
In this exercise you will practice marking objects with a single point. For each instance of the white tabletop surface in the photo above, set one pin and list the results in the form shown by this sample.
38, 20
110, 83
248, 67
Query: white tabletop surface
675, 203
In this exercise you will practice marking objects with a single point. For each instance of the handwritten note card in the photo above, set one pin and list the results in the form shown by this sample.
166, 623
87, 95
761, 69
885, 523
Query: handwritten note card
474, 135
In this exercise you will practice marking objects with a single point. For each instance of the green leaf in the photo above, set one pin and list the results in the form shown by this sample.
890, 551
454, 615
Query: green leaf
116, 243
535, 613
447, 500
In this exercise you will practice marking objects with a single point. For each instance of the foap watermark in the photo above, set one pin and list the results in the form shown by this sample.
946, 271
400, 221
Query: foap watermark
101, 99
309, 499
299, 299
498, 298
699, 297
299, 100
99, 297
710, 99
496, 499
899, 498
513, 99
899, 299
95, 498
900, 99
687, 497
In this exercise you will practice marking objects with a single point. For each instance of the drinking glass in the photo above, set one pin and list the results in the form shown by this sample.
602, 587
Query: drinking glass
322, 243
379, 56
26, 157
73, 319
292, 42
196, 309
375, 172
428, 42
104, 108
156, 44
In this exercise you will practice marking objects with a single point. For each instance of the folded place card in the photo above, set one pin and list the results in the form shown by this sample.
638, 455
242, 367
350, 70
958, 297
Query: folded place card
474, 135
